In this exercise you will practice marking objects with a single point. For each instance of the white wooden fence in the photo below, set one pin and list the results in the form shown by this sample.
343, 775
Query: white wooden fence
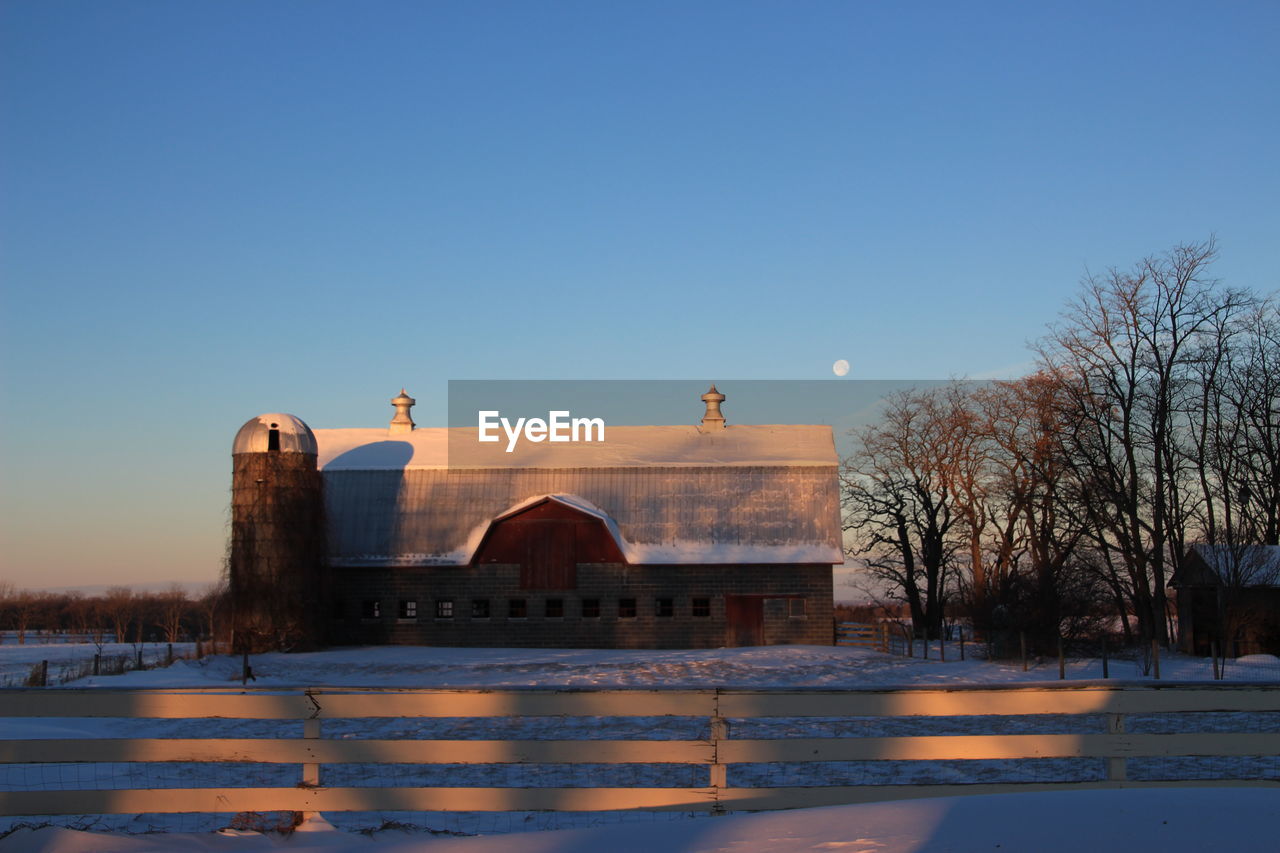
719, 750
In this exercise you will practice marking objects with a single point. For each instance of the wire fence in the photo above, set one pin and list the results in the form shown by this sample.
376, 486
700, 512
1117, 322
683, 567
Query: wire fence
62, 663
1091, 657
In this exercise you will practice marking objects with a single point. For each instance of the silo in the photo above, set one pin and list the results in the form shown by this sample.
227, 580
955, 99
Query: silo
276, 559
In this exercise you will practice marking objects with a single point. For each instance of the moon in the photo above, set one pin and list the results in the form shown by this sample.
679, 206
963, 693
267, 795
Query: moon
840, 368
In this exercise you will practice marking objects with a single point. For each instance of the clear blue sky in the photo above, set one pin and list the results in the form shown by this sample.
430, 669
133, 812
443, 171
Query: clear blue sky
210, 210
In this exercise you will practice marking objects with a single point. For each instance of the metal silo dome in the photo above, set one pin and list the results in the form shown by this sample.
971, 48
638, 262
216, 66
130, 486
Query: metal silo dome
272, 432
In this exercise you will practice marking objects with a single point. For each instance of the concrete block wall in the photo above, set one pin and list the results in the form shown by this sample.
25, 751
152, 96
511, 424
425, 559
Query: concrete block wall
608, 583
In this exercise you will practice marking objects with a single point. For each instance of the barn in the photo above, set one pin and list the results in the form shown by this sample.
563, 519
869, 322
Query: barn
1229, 596
672, 536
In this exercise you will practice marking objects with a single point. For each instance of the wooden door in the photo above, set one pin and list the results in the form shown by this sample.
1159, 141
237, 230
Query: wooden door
550, 558
744, 617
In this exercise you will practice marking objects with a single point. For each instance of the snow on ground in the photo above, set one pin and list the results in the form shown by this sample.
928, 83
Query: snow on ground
17, 659
835, 667
1188, 820
1166, 819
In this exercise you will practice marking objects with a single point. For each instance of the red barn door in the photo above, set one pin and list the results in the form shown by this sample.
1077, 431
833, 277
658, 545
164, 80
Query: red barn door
550, 558
548, 540
744, 615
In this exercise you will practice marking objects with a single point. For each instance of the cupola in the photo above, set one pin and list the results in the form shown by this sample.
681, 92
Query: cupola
712, 419
402, 422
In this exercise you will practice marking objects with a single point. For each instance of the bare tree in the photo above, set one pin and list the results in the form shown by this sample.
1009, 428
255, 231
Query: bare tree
171, 606
900, 495
1034, 581
76, 613
7, 593
214, 605
117, 607
1049, 501
1246, 434
1123, 352
25, 606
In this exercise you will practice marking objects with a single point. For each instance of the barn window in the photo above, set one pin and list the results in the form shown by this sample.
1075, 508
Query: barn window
408, 608
795, 608
444, 608
273, 438
479, 608
590, 608
626, 608
516, 608
702, 607
555, 608
371, 608
664, 607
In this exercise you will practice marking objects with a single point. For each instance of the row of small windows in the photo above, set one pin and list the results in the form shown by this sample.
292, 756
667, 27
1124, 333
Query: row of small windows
554, 608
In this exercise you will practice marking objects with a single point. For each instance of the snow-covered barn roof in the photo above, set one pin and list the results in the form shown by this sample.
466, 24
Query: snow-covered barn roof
624, 447
1233, 565
671, 494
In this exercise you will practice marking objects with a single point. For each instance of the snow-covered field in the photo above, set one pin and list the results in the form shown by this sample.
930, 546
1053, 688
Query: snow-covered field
64, 659
1188, 820
833, 667
1149, 819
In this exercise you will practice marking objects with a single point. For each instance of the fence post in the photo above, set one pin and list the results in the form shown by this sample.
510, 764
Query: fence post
1105, 673
97, 664
44, 673
925, 643
170, 654
1062, 661
1115, 766
1155, 657
718, 772
1213, 652
942, 647
1022, 642
139, 666
311, 769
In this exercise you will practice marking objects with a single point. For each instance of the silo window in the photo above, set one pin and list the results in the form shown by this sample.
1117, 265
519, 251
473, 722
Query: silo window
273, 439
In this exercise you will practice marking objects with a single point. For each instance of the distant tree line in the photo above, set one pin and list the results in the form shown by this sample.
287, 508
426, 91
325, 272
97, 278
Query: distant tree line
118, 615
1062, 503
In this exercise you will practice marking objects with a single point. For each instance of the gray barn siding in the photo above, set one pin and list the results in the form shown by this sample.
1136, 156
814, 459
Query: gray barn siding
408, 517
607, 582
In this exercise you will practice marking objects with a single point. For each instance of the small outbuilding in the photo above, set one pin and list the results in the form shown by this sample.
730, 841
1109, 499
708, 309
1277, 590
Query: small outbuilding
1229, 596
679, 536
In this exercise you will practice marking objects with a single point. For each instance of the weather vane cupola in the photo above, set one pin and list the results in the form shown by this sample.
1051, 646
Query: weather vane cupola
712, 419
402, 422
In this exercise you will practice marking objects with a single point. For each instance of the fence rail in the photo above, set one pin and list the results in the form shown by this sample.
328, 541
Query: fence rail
721, 709
863, 635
